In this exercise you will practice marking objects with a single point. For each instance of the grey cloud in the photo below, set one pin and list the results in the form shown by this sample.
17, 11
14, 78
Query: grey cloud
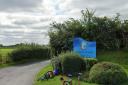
8, 26
97, 3
102, 7
32, 21
19, 5
21, 37
15, 32
25, 22
45, 19
31, 18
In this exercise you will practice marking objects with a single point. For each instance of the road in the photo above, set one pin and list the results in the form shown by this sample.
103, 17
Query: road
20, 75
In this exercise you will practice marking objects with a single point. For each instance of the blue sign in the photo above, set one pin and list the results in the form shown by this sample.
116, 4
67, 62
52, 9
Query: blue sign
84, 48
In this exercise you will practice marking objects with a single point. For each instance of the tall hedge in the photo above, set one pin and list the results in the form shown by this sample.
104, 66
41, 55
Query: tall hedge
71, 63
30, 52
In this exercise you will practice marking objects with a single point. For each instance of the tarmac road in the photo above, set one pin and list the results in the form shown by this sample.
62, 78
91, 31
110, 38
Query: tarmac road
20, 75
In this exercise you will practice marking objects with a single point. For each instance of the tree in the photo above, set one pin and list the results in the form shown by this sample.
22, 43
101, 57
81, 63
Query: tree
106, 31
1, 45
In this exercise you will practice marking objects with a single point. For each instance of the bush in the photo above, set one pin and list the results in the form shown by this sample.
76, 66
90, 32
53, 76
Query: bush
89, 62
30, 53
56, 63
71, 62
69, 58
107, 73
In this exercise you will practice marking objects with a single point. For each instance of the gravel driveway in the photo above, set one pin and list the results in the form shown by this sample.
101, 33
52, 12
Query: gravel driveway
20, 75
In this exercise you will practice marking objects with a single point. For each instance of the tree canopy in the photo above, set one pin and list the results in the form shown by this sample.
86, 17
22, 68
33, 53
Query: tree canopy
108, 32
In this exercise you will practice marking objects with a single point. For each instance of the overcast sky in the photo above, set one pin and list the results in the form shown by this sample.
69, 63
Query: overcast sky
28, 20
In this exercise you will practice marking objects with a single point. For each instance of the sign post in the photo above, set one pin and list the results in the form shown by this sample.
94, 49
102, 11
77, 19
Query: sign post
84, 47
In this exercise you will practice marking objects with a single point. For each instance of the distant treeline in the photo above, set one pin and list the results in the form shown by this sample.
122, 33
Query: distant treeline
10, 46
19, 45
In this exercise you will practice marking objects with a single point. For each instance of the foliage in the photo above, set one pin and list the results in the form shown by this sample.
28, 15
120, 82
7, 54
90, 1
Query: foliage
111, 56
56, 63
89, 62
55, 80
107, 73
29, 52
108, 32
71, 63
1, 45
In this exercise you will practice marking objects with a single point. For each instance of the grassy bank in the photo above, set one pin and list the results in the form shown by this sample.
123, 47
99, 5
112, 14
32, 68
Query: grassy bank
120, 57
55, 80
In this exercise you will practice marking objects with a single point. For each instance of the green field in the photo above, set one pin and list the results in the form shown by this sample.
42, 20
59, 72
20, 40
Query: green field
120, 57
4, 56
5, 51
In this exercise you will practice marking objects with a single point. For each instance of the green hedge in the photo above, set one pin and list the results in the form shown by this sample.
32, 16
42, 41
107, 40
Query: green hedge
30, 52
71, 62
107, 73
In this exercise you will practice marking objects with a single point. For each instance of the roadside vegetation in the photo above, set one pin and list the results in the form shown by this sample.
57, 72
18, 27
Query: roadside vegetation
111, 36
103, 56
24, 53
30, 52
110, 33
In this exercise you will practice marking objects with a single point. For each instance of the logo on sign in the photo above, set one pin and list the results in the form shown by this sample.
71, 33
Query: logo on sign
83, 45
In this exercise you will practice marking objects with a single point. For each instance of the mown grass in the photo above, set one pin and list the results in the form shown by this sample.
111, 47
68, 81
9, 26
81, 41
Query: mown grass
55, 80
120, 57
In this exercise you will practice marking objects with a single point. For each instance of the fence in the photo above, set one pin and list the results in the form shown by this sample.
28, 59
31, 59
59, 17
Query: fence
4, 60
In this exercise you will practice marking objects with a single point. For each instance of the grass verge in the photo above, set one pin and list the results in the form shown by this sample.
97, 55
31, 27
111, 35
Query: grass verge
120, 57
55, 80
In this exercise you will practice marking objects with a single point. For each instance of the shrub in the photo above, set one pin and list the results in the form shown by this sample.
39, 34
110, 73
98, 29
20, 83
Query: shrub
30, 53
56, 63
107, 73
71, 62
89, 62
